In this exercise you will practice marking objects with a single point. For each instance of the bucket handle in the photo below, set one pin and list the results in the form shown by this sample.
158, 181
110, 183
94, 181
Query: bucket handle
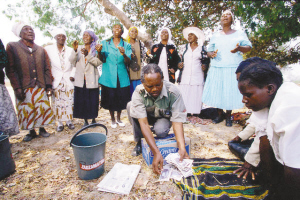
86, 127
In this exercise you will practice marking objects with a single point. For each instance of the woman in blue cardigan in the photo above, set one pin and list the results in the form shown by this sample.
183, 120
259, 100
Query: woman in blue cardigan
115, 54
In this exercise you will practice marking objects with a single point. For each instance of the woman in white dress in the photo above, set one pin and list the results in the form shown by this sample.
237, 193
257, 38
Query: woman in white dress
192, 77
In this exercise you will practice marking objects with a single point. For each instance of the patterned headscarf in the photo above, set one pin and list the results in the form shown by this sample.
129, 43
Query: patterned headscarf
128, 36
93, 44
169, 32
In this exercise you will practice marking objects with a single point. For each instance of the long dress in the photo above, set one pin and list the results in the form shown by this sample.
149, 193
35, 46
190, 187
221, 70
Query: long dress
63, 88
221, 87
192, 80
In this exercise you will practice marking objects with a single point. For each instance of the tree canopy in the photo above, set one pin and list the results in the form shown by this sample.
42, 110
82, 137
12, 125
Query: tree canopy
269, 24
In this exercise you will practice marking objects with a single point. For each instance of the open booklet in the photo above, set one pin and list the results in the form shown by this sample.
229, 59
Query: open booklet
120, 179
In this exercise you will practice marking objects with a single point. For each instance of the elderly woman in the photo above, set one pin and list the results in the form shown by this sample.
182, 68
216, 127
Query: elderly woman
8, 118
226, 48
192, 78
63, 88
29, 73
138, 52
86, 91
165, 55
115, 93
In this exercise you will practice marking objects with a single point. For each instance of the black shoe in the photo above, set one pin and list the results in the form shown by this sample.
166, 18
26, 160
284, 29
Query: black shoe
218, 119
137, 149
94, 121
70, 126
30, 136
59, 128
85, 124
43, 133
228, 122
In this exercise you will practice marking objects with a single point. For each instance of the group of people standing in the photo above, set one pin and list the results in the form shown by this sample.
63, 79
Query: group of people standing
70, 75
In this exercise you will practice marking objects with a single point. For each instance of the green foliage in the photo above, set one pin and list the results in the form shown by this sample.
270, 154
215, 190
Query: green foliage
269, 24
74, 16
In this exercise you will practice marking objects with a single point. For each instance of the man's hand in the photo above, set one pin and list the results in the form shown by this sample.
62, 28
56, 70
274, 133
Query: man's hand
157, 163
20, 95
245, 170
183, 154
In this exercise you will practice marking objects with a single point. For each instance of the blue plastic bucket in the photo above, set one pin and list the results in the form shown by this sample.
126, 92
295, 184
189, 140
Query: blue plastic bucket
7, 165
89, 153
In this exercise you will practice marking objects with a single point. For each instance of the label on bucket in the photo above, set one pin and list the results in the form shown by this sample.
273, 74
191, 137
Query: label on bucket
92, 166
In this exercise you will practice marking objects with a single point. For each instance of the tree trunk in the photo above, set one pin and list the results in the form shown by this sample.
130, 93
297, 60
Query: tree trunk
111, 9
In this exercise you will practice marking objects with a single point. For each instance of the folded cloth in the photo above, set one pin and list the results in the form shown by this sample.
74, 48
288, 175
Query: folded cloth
213, 180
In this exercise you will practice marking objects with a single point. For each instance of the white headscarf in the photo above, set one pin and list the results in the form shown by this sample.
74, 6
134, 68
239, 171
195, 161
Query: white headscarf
169, 32
17, 27
199, 34
57, 31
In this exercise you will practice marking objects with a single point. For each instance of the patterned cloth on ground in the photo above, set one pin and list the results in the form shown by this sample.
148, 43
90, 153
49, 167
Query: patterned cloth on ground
213, 180
35, 110
8, 119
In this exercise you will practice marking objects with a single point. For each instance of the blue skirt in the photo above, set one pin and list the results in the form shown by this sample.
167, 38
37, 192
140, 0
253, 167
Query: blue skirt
221, 89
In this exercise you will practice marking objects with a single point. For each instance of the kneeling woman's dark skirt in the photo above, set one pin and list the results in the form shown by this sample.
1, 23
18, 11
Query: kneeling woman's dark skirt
86, 102
115, 99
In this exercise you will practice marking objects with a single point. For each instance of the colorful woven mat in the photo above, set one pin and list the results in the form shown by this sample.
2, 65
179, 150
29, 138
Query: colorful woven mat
213, 180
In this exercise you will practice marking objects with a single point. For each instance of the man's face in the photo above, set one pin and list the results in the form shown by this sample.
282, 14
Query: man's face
27, 33
255, 98
153, 84
60, 39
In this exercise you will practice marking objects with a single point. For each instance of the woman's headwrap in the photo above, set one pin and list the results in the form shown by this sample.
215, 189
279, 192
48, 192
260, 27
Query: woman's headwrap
17, 27
232, 15
199, 34
93, 44
128, 36
57, 31
170, 35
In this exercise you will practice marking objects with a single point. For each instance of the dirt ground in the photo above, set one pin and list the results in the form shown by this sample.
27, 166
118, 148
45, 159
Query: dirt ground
45, 167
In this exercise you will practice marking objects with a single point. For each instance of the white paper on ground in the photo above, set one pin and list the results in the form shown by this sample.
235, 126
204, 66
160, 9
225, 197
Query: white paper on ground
120, 179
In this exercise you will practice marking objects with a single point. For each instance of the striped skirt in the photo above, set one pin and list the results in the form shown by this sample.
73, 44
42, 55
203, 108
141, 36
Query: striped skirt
62, 104
35, 110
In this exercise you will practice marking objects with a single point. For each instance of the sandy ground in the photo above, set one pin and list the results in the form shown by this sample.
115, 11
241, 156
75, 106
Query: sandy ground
45, 167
